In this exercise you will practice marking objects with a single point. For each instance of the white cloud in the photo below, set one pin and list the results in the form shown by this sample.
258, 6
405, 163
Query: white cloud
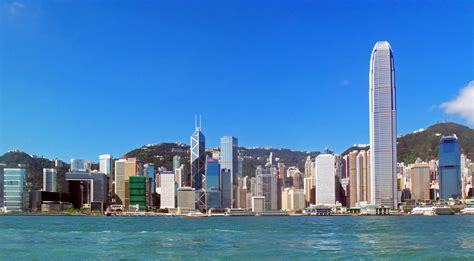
463, 104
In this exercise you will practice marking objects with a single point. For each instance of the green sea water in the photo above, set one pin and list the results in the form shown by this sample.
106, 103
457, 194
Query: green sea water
236, 238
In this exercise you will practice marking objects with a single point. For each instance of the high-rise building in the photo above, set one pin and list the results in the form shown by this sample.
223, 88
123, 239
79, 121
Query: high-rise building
230, 160
267, 180
186, 198
213, 189
86, 187
137, 192
420, 181
325, 180
49, 179
168, 190
363, 178
198, 166
2, 177
149, 174
383, 126
14, 188
176, 162
226, 189
449, 156
352, 166
80, 165
124, 169
105, 164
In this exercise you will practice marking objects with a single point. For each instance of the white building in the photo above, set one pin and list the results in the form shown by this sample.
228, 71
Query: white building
168, 190
383, 126
49, 180
325, 180
105, 164
258, 204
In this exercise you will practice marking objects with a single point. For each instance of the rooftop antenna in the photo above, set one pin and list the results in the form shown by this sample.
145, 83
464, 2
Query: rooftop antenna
200, 123
195, 121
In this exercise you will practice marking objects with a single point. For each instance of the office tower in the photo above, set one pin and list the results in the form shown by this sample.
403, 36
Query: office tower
338, 165
2, 174
352, 164
307, 167
226, 188
281, 182
449, 156
176, 162
137, 192
105, 164
49, 179
86, 187
240, 168
124, 169
362, 177
267, 180
14, 188
383, 126
149, 174
198, 166
80, 165
213, 189
258, 203
179, 176
297, 179
293, 199
309, 183
168, 190
420, 181
186, 198
345, 166
242, 195
229, 160
325, 180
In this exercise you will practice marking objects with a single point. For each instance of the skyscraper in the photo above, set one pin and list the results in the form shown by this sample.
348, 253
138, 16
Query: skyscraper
213, 189
230, 160
176, 162
383, 126
105, 164
325, 180
198, 165
49, 179
14, 187
168, 190
267, 181
124, 169
449, 156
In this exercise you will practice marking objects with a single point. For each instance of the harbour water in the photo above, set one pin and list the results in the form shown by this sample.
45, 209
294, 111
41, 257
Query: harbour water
283, 238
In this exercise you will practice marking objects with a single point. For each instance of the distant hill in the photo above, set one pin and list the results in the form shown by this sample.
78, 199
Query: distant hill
424, 143
34, 166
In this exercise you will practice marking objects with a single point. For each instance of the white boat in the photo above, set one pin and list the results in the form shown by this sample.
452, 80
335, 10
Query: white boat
196, 214
431, 211
467, 211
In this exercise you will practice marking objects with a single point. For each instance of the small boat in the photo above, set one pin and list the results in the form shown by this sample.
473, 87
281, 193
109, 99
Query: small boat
467, 211
195, 214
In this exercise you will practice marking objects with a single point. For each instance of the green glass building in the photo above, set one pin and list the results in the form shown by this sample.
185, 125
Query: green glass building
137, 191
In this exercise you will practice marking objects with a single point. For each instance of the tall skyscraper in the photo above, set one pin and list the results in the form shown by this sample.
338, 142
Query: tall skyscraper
2, 174
14, 188
420, 181
124, 169
449, 156
176, 162
230, 160
198, 165
49, 179
213, 189
168, 190
226, 189
383, 126
267, 183
325, 180
105, 164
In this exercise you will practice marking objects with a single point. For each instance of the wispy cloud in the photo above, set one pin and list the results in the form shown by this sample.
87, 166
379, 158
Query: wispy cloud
463, 104
344, 83
15, 7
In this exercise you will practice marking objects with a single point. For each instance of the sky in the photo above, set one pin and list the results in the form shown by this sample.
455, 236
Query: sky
84, 78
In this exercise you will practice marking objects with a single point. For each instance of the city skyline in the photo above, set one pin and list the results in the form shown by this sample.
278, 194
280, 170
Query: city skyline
77, 111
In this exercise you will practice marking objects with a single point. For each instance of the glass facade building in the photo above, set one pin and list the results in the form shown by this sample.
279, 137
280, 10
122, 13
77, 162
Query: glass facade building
449, 156
105, 164
267, 181
230, 161
198, 167
213, 189
49, 180
14, 188
383, 126
226, 188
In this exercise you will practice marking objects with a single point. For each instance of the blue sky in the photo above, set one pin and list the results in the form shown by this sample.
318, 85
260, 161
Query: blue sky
83, 78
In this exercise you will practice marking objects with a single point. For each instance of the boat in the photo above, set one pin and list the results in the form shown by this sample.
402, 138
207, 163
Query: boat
431, 211
467, 211
195, 214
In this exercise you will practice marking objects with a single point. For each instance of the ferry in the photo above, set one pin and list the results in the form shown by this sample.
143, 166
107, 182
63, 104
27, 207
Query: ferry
239, 212
431, 211
467, 211
195, 214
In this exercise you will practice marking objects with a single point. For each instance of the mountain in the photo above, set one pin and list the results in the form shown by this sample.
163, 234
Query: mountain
34, 168
424, 143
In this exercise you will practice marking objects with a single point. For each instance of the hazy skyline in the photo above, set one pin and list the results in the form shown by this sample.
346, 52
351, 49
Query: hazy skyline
85, 78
